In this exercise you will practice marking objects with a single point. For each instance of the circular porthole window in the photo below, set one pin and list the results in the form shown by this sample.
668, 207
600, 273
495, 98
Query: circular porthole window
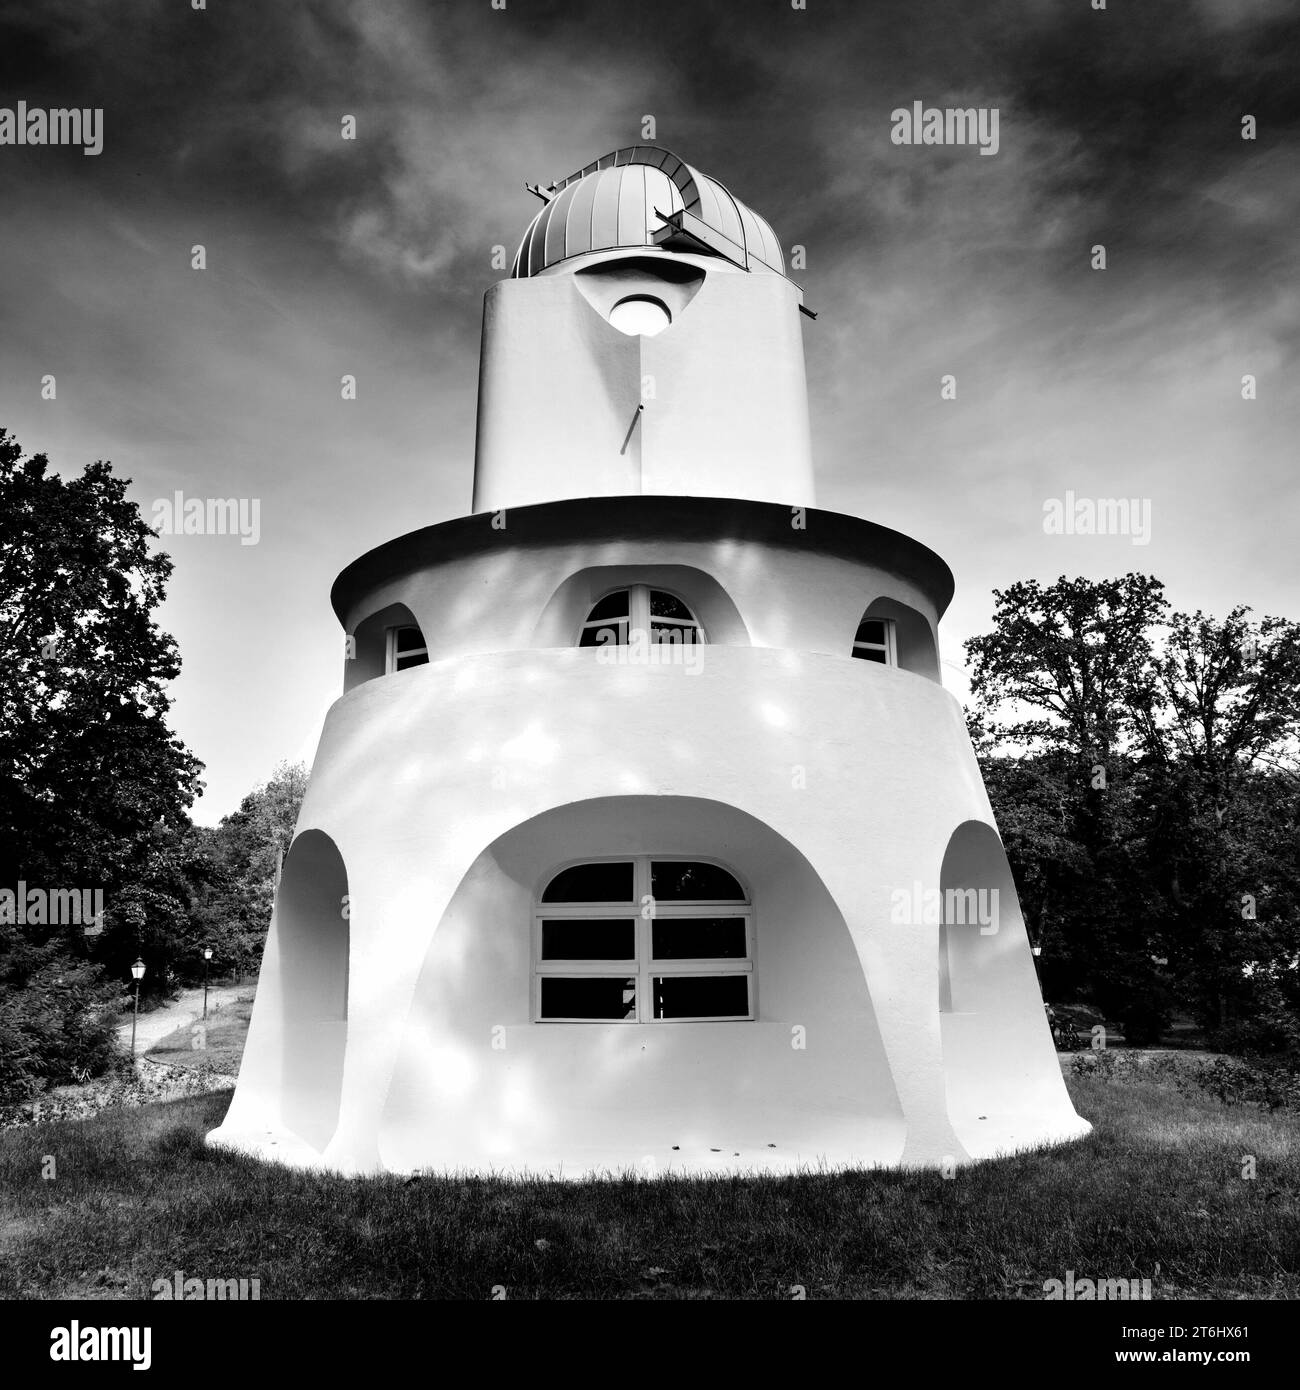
640, 315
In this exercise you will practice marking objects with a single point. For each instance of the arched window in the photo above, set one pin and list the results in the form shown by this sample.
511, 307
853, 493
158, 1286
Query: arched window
406, 647
643, 940
384, 641
875, 641
896, 634
639, 608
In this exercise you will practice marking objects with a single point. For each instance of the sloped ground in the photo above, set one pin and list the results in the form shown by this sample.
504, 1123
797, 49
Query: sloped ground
216, 1042
186, 1010
178, 1054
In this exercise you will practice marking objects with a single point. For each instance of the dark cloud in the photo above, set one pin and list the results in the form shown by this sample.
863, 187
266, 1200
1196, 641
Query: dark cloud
222, 128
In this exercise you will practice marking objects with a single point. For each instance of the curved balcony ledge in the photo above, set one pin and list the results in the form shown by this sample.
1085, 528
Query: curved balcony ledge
627, 670
495, 738
593, 520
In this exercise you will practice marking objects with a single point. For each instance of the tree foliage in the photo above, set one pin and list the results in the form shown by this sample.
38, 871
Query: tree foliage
94, 788
242, 857
1144, 775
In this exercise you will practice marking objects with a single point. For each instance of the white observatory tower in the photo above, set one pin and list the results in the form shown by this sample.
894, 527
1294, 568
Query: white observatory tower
644, 835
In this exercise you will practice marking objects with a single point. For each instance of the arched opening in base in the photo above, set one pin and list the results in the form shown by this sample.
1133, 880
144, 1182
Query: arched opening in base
1002, 1078
311, 922
792, 1074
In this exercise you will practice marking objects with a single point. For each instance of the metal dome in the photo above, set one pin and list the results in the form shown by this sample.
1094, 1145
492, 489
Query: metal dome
618, 201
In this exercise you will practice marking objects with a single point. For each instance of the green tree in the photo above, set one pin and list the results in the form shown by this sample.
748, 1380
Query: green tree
1068, 668
1220, 739
1150, 818
242, 857
94, 788
1074, 661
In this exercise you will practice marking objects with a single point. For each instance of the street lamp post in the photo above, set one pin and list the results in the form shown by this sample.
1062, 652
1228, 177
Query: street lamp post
137, 974
207, 956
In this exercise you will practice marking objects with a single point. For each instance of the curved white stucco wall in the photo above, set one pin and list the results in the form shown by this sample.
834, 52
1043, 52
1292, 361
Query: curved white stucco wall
477, 1084
518, 594
865, 771
716, 405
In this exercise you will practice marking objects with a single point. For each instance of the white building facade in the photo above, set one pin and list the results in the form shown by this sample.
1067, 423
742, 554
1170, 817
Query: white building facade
644, 835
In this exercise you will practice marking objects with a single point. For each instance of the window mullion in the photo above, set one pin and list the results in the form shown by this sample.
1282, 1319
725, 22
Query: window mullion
645, 968
641, 887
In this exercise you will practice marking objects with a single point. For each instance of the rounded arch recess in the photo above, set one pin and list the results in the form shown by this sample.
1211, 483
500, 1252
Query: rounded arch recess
913, 635
570, 604
312, 924
545, 1092
370, 656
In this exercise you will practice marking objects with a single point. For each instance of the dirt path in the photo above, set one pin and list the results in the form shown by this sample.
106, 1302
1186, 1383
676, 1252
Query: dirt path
156, 1025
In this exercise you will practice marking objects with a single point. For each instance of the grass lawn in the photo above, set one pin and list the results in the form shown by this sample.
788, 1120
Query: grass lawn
223, 1038
1156, 1192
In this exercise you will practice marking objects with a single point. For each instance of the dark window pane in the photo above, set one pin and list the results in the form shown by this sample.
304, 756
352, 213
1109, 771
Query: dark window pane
409, 638
588, 938
699, 938
611, 606
611, 634
701, 996
412, 659
674, 632
591, 883
589, 996
871, 630
868, 655
673, 880
664, 605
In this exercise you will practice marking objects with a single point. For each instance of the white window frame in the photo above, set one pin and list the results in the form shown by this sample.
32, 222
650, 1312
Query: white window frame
889, 646
639, 617
390, 647
644, 968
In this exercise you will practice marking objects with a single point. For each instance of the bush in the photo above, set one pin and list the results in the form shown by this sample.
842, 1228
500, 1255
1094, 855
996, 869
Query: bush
1273, 1084
58, 1027
1274, 1029
1107, 1065
123, 1086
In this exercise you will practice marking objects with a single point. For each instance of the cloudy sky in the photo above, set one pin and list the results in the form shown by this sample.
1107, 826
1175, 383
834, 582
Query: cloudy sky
370, 257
